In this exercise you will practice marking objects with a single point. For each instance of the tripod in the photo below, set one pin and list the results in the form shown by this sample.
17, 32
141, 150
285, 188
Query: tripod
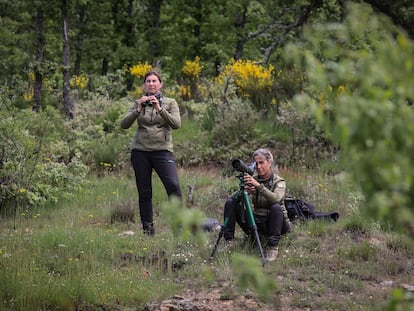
245, 202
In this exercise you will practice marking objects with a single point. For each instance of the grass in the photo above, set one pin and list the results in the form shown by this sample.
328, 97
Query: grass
70, 256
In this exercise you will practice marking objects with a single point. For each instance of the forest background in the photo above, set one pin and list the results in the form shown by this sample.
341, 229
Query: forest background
326, 85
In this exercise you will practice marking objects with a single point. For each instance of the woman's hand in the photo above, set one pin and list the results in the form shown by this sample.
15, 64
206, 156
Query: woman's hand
250, 181
155, 102
143, 101
140, 102
249, 189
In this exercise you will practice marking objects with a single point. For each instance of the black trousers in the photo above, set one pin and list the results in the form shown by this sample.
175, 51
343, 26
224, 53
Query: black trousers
274, 225
163, 162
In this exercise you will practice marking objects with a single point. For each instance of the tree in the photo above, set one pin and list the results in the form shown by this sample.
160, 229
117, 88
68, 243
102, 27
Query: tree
153, 17
81, 13
362, 69
68, 104
38, 72
111, 36
16, 44
401, 12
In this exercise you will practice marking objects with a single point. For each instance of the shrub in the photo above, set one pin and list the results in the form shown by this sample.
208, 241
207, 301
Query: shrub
252, 80
32, 172
360, 75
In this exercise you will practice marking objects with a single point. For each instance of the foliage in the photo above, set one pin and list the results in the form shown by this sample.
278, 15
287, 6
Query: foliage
372, 116
252, 81
34, 167
96, 135
358, 86
139, 70
228, 120
80, 81
76, 258
113, 85
185, 224
251, 275
302, 142
401, 300
192, 69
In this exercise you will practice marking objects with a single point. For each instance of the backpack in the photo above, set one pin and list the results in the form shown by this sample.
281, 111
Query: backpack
299, 209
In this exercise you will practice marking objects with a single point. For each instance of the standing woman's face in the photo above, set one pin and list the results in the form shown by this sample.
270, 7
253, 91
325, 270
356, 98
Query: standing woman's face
263, 166
152, 84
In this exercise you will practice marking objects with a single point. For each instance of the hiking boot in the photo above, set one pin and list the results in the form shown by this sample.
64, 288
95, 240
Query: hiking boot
148, 228
271, 253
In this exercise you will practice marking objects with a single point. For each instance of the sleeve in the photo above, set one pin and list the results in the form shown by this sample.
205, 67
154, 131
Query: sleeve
276, 194
130, 116
171, 115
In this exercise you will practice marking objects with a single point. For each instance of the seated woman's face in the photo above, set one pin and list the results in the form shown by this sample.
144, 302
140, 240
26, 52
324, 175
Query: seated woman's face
263, 166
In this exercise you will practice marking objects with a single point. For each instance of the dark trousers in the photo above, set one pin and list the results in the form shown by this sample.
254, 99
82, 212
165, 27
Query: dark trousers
274, 225
163, 163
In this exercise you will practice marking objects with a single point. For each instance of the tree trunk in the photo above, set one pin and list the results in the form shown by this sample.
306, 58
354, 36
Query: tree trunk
38, 75
155, 13
240, 23
105, 66
67, 98
79, 38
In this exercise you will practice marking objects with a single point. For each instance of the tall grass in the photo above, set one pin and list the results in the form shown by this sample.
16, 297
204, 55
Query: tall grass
71, 256
57, 258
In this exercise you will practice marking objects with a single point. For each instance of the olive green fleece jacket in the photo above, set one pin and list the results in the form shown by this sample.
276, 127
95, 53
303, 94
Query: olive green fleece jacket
268, 193
154, 131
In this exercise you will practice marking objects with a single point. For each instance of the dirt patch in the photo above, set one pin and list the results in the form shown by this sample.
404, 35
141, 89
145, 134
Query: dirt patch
212, 299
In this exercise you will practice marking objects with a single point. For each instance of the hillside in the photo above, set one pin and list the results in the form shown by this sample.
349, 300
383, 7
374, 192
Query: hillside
71, 257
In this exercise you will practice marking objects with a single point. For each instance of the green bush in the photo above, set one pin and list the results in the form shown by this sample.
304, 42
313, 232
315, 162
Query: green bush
361, 77
31, 172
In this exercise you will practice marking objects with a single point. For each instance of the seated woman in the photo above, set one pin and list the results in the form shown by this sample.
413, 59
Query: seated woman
267, 191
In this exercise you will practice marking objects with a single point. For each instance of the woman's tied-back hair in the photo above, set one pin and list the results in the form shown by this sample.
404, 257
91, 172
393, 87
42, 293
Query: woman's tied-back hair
152, 72
267, 154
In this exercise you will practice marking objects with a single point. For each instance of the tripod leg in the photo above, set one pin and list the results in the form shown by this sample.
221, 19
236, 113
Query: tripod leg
259, 244
254, 226
221, 233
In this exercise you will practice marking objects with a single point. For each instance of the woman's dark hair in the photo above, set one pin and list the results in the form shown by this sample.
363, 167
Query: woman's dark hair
152, 72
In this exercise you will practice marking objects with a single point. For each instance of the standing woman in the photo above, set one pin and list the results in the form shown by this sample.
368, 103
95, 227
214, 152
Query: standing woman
152, 145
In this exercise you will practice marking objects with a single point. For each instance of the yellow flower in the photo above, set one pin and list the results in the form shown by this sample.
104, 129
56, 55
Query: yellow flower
139, 70
192, 68
341, 89
79, 82
249, 76
184, 91
29, 94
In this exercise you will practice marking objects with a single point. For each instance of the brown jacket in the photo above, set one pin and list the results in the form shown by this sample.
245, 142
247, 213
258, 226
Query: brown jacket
269, 192
154, 129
